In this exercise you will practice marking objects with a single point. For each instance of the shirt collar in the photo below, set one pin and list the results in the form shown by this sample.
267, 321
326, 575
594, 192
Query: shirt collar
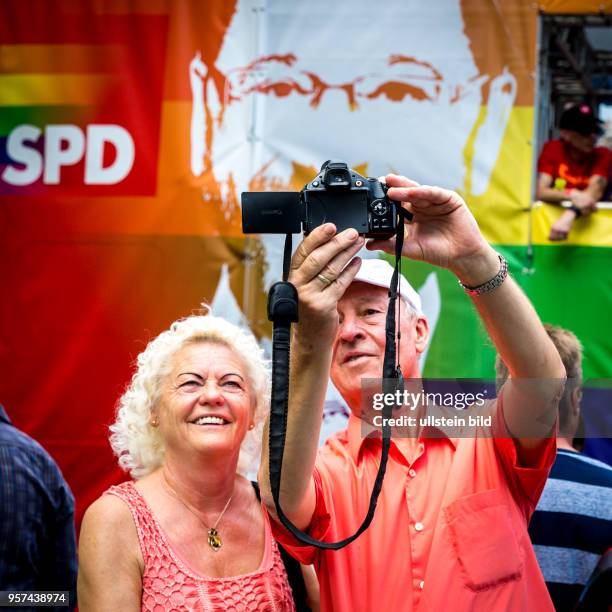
3, 416
359, 431
568, 148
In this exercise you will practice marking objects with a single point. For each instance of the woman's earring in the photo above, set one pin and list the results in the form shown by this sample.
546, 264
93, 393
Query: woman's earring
251, 425
154, 422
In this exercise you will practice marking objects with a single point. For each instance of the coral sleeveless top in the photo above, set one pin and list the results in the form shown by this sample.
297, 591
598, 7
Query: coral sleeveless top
168, 583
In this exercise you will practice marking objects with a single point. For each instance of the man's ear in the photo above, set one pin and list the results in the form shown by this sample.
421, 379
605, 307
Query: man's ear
575, 399
421, 334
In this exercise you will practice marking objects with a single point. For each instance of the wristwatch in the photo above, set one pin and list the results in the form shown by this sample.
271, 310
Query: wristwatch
491, 284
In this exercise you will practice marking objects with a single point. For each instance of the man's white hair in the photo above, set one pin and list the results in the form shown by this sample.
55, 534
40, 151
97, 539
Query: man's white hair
409, 308
137, 444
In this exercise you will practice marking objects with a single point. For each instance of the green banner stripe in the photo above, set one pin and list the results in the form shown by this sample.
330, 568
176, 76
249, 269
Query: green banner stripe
569, 286
40, 116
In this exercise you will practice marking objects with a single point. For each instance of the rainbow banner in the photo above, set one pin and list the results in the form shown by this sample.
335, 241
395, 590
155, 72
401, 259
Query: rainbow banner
128, 130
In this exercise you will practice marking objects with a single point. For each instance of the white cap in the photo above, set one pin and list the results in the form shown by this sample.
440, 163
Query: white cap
380, 272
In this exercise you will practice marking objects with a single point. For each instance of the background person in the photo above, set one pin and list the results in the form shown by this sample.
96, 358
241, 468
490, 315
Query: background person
37, 538
572, 525
573, 168
189, 531
448, 506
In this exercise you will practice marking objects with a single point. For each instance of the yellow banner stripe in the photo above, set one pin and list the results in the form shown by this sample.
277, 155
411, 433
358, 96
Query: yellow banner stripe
52, 89
594, 230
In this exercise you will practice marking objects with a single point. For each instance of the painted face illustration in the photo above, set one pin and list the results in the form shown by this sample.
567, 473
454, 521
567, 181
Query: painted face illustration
386, 91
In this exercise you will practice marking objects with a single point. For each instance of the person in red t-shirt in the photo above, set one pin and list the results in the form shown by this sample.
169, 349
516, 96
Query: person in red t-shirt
573, 168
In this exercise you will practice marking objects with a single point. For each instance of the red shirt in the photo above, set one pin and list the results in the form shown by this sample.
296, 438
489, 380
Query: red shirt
556, 161
449, 532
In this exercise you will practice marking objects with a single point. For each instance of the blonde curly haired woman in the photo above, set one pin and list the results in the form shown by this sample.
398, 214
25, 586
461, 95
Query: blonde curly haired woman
189, 531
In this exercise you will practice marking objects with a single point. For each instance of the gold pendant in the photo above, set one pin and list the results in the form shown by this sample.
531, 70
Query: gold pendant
214, 539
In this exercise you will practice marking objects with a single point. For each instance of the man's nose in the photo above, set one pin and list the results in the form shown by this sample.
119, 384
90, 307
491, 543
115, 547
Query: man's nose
345, 94
350, 330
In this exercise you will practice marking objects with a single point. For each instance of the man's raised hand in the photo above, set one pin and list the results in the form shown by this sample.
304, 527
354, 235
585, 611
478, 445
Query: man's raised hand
443, 231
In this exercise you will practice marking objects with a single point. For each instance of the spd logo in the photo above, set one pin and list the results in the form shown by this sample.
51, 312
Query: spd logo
103, 155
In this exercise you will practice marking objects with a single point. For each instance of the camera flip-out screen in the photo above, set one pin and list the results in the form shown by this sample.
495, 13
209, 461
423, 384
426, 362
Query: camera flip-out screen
342, 208
277, 212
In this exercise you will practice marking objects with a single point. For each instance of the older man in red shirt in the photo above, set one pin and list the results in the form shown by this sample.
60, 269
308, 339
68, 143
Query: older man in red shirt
450, 529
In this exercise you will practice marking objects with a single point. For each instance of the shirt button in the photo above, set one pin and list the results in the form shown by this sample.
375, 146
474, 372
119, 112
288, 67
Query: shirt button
419, 526
422, 585
412, 473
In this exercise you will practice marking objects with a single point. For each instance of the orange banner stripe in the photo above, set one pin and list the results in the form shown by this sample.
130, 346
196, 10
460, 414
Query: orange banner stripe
575, 6
57, 59
126, 7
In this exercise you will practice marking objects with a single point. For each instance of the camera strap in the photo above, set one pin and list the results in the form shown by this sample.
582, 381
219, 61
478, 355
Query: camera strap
282, 311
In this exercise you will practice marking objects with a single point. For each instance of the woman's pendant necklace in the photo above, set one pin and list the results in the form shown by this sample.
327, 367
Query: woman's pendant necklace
214, 539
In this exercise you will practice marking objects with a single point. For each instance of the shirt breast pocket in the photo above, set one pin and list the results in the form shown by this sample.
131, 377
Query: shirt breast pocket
484, 540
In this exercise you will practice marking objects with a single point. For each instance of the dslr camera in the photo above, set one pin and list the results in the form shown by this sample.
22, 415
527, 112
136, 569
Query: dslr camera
337, 195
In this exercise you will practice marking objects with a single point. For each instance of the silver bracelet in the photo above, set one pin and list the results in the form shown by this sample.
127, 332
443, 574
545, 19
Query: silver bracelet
492, 284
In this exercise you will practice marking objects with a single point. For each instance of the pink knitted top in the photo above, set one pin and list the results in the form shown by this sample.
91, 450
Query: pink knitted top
168, 583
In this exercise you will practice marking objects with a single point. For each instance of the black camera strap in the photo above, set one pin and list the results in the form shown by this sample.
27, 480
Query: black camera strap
282, 311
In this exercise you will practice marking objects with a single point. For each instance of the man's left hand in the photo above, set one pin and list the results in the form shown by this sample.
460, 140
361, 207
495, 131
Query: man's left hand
443, 231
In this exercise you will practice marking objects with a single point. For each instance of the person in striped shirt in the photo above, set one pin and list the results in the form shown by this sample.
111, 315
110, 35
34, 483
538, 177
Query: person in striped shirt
572, 525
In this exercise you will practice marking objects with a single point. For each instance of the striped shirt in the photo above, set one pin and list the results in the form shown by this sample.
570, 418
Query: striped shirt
572, 525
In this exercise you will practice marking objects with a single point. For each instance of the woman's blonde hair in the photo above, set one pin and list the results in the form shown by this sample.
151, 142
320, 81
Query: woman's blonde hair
137, 444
